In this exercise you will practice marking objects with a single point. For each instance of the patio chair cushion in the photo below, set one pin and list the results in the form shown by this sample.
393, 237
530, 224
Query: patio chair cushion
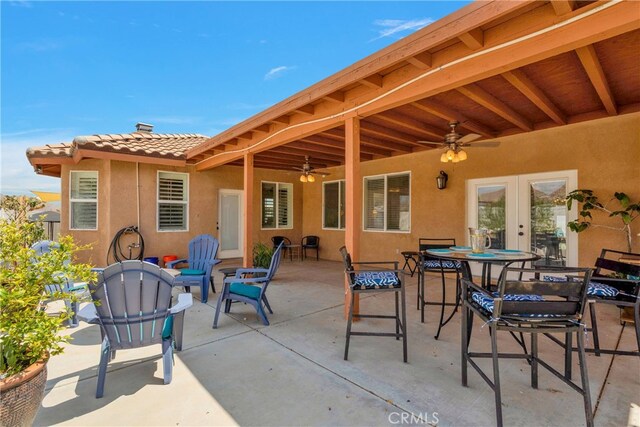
595, 289
435, 264
248, 291
377, 279
486, 302
192, 272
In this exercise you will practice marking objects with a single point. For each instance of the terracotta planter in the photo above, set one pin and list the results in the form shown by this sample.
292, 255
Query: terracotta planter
22, 394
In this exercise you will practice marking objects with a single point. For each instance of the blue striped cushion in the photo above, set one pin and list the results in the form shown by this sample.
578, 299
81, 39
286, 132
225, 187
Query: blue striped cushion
595, 289
377, 279
486, 302
434, 263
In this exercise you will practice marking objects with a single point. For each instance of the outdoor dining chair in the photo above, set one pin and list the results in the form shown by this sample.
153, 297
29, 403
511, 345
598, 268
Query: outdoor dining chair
371, 277
249, 285
132, 305
429, 264
202, 258
276, 240
66, 284
310, 242
532, 306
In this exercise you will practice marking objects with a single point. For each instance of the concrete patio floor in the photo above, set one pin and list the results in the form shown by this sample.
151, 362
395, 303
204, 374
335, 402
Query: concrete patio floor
292, 372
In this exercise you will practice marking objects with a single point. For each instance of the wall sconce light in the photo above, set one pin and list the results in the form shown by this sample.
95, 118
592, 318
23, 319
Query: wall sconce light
441, 180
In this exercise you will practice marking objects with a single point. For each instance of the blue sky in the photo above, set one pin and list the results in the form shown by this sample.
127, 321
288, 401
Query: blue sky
78, 68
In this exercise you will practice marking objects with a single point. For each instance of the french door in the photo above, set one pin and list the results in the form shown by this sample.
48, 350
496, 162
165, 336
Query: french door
527, 212
230, 223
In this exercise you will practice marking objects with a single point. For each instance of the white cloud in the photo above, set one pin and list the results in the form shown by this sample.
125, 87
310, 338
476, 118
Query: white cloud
276, 72
21, 3
38, 45
390, 27
17, 175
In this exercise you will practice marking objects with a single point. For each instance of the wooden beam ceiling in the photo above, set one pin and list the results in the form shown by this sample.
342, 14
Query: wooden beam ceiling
563, 6
450, 115
490, 102
592, 66
521, 82
422, 60
473, 39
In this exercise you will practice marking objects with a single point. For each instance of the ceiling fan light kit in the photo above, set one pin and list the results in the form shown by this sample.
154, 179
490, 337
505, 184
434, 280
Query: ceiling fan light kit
307, 171
453, 143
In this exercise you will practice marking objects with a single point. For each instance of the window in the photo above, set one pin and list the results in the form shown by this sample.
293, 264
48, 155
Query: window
333, 205
277, 205
387, 201
173, 201
83, 200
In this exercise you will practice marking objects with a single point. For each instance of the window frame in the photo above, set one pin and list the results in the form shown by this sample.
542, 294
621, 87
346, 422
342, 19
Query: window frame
184, 202
72, 200
275, 207
341, 227
386, 208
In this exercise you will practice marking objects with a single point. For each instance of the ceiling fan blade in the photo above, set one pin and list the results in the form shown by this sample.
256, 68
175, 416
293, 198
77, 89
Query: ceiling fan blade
431, 142
484, 144
468, 138
297, 168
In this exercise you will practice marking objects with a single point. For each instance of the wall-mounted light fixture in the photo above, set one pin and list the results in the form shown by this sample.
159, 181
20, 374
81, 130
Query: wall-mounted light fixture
441, 180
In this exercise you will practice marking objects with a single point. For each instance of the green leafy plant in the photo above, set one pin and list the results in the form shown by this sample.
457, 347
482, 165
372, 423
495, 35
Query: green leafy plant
27, 332
628, 212
262, 255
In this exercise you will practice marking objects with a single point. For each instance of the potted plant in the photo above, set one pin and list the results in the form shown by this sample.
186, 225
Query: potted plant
627, 212
29, 335
262, 255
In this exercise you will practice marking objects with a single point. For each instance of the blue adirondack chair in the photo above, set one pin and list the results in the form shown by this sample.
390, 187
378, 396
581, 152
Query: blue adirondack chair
251, 290
202, 258
134, 310
66, 283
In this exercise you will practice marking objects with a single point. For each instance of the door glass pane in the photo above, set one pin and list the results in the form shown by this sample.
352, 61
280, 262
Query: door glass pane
229, 226
492, 213
549, 221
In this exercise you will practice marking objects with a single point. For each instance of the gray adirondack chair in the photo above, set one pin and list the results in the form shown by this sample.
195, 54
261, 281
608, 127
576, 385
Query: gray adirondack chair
251, 290
134, 311
66, 284
202, 258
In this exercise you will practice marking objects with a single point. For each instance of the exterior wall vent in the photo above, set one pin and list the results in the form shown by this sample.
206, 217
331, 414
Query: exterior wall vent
144, 127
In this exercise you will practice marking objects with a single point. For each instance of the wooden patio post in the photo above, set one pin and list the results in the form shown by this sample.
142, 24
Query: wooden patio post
353, 200
248, 210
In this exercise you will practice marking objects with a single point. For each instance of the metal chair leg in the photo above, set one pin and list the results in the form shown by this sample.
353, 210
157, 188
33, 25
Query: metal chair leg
346, 345
568, 355
403, 304
444, 300
395, 294
496, 374
534, 360
594, 327
586, 393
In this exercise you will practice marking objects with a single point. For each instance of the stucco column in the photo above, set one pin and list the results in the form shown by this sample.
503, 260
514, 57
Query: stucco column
248, 210
353, 200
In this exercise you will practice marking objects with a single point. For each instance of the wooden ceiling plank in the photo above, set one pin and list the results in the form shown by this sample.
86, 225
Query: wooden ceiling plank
337, 97
284, 120
373, 81
308, 110
297, 159
385, 144
521, 82
563, 6
248, 136
265, 128
473, 39
451, 115
422, 60
592, 66
399, 119
388, 133
490, 102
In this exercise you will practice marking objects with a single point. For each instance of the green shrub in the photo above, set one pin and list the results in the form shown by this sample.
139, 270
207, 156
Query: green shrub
262, 255
27, 332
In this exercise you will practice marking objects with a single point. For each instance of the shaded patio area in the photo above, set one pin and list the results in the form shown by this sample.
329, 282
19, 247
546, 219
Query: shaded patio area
292, 372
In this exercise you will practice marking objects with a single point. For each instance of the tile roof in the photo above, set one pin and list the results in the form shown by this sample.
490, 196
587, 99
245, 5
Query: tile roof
171, 146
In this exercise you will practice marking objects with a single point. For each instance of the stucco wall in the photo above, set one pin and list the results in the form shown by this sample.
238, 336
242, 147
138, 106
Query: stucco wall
117, 206
605, 152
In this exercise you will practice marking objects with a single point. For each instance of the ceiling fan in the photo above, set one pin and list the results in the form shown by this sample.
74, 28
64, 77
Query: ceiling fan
454, 142
307, 171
